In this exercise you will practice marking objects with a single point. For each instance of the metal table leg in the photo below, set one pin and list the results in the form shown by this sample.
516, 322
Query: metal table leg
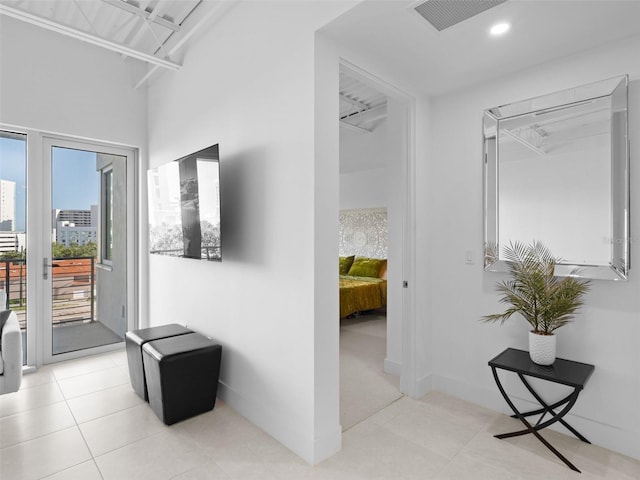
570, 401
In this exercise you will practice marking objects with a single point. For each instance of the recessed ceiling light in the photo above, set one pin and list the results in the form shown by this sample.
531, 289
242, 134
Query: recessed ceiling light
499, 28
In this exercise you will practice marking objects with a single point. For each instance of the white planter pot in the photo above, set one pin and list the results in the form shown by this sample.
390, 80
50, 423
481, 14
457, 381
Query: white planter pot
542, 348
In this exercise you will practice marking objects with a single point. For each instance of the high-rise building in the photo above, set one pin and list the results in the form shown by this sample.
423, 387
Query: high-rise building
7, 205
75, 226
80, 218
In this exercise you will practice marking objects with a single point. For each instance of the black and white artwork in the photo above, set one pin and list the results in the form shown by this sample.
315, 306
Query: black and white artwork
184, 207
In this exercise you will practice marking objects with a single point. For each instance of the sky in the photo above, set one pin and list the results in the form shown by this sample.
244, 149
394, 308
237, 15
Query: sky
74, 176
75, 180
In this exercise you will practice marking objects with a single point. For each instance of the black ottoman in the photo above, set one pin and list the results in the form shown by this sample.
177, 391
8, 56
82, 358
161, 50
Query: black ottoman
182, 375
134, 340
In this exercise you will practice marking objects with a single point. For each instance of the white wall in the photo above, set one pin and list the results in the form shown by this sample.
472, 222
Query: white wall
248, 85
453, 347
360, 150
606, 333
111, 283
363, 168
364, 189
54, 83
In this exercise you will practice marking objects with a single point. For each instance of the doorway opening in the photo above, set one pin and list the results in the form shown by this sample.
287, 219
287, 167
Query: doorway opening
88, 260
88, 249
373, 219
74, 294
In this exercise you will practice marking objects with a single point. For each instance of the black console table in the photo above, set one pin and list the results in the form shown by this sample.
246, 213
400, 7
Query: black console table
564, 372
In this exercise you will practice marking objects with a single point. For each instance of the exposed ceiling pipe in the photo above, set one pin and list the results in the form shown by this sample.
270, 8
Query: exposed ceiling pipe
135, 34
85, 37
354, 128
369, 115
355, 103
127, 7
221, 8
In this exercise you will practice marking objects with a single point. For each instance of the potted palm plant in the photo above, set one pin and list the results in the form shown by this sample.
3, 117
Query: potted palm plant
546, 302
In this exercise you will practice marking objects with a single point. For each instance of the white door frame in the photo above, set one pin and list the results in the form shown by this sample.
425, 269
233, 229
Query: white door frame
49, 141
39, 230
409, 382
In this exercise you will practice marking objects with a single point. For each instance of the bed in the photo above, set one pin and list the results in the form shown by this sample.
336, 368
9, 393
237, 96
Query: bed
363, 287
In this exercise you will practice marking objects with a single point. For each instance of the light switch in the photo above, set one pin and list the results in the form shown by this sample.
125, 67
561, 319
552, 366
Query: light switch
469, 257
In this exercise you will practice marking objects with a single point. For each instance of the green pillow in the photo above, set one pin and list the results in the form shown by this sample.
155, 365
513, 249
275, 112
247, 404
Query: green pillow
345, 264
366, 267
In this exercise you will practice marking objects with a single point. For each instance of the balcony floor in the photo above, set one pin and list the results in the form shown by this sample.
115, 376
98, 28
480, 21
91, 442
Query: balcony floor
69, 338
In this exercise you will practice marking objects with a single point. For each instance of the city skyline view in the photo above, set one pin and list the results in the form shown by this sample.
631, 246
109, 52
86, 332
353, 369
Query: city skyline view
12, 168
75, 181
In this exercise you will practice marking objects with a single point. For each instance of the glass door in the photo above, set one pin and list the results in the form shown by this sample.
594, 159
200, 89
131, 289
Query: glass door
87, 249
13, 228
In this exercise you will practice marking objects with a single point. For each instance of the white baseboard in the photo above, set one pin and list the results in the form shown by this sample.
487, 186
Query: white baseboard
279, 425
327, 445
421, 387
424, 386
607, 436
392, 367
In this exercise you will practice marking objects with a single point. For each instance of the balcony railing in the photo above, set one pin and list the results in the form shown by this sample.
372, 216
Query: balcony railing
73, 289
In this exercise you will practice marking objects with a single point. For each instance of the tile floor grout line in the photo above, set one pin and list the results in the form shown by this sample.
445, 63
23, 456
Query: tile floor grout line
479, 450
66, 400
402, 395
37, 437
88, 373
93, 459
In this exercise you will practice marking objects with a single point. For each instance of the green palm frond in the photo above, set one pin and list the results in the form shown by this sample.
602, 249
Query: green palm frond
545, 301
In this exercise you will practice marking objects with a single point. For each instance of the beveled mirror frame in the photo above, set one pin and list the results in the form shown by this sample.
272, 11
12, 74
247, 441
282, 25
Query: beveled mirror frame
617, 268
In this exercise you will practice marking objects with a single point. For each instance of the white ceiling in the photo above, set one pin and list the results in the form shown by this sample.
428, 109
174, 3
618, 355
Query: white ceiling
362, 107
436, 62
151, 31
389, 30
140, 24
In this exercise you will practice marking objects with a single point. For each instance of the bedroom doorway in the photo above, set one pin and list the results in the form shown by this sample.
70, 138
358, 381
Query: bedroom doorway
374, 200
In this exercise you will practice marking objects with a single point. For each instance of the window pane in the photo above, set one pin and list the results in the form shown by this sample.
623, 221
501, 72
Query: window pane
13, 223
108, 216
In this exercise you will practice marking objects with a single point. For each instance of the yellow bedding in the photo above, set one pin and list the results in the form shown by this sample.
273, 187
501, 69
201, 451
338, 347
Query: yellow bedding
358, 294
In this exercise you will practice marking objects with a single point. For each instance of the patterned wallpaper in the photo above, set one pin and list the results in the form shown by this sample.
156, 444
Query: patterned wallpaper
363, 232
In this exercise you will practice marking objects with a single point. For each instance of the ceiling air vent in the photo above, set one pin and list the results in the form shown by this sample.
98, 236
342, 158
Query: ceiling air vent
445, 13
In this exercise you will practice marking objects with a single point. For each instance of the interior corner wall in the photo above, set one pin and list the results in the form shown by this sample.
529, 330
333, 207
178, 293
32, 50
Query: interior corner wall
605, 333
56, 84
326, 201
249, 86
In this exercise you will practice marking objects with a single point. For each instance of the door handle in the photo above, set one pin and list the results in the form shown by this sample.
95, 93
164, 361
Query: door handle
45, 268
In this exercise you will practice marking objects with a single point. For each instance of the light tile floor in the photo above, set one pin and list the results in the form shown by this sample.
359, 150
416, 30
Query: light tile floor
81, 420
364, 386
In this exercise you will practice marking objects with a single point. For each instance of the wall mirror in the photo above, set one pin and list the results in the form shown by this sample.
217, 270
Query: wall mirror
556, 170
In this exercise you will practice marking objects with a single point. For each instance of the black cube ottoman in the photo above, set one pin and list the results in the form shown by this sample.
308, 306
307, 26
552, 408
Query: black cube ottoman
182, 375
134, 340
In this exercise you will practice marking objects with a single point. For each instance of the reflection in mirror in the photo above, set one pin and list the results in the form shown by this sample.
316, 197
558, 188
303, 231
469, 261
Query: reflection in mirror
556, 171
